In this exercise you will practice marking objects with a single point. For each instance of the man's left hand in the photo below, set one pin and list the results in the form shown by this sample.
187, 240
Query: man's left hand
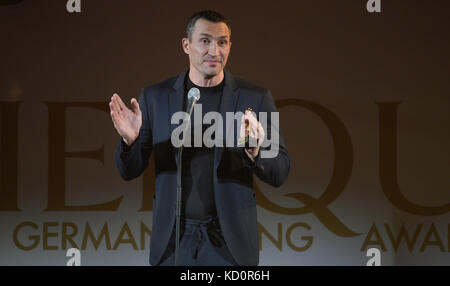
256, 131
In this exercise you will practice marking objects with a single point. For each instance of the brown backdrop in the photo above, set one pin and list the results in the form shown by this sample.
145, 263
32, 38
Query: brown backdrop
379, 152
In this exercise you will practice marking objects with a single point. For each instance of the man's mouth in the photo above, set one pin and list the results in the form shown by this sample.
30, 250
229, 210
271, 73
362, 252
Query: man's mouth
212, 61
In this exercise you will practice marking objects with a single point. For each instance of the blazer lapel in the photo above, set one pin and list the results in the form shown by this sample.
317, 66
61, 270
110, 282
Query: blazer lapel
228, 104
176, 102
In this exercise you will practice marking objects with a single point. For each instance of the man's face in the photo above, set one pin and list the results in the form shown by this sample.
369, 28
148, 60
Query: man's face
209, 47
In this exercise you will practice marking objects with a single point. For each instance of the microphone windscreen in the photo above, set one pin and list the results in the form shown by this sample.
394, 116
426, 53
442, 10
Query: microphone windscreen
194, 93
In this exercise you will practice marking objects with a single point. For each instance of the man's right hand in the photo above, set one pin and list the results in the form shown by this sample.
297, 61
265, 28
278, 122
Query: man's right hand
126, 121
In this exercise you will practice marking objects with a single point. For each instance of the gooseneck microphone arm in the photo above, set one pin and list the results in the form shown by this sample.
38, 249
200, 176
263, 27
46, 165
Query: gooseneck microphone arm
193, 97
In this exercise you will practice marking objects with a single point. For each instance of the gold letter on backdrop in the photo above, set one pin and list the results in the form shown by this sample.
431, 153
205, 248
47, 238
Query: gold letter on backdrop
57, 155
388, 164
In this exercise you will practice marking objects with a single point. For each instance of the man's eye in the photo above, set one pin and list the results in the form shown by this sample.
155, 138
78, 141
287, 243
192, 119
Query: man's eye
222, 43
205, 41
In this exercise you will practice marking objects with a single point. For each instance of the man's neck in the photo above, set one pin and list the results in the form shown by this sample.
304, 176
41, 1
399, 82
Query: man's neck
200, 80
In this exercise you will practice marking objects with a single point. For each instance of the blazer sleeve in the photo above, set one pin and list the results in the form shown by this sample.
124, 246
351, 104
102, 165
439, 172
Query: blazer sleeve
131, 161
274, 171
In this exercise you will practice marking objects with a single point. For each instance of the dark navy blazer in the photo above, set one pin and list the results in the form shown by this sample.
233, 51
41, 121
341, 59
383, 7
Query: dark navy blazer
233, 180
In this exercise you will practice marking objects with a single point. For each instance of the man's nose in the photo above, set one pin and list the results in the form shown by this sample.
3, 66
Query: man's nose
213, 48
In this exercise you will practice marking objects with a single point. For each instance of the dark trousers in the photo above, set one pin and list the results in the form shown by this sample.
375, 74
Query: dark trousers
201, 244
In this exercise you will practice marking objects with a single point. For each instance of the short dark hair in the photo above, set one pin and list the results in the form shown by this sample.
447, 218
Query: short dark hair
209, 15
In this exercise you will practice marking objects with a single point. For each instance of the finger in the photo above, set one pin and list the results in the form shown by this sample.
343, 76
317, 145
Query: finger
135, 106
256, 131
111, 105
117, 122
254, 134
115, 104
114, 119
114, 98
261, 134
242, 129
261, 131
251, 117
120, 102
116, 109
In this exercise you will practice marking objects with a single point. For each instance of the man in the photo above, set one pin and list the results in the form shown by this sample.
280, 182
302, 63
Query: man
219, 225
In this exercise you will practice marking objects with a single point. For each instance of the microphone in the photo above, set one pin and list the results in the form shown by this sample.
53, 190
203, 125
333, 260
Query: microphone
193, 96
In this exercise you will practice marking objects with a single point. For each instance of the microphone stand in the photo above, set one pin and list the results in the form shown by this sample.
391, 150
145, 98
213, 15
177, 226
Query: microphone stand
178, 211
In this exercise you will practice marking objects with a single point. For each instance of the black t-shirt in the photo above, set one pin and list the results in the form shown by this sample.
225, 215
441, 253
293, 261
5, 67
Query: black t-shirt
198, 162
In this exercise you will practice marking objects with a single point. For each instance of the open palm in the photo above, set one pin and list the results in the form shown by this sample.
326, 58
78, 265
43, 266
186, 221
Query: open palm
126, 121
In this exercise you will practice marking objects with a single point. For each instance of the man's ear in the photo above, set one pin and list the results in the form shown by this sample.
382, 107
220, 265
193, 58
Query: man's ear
185, 44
